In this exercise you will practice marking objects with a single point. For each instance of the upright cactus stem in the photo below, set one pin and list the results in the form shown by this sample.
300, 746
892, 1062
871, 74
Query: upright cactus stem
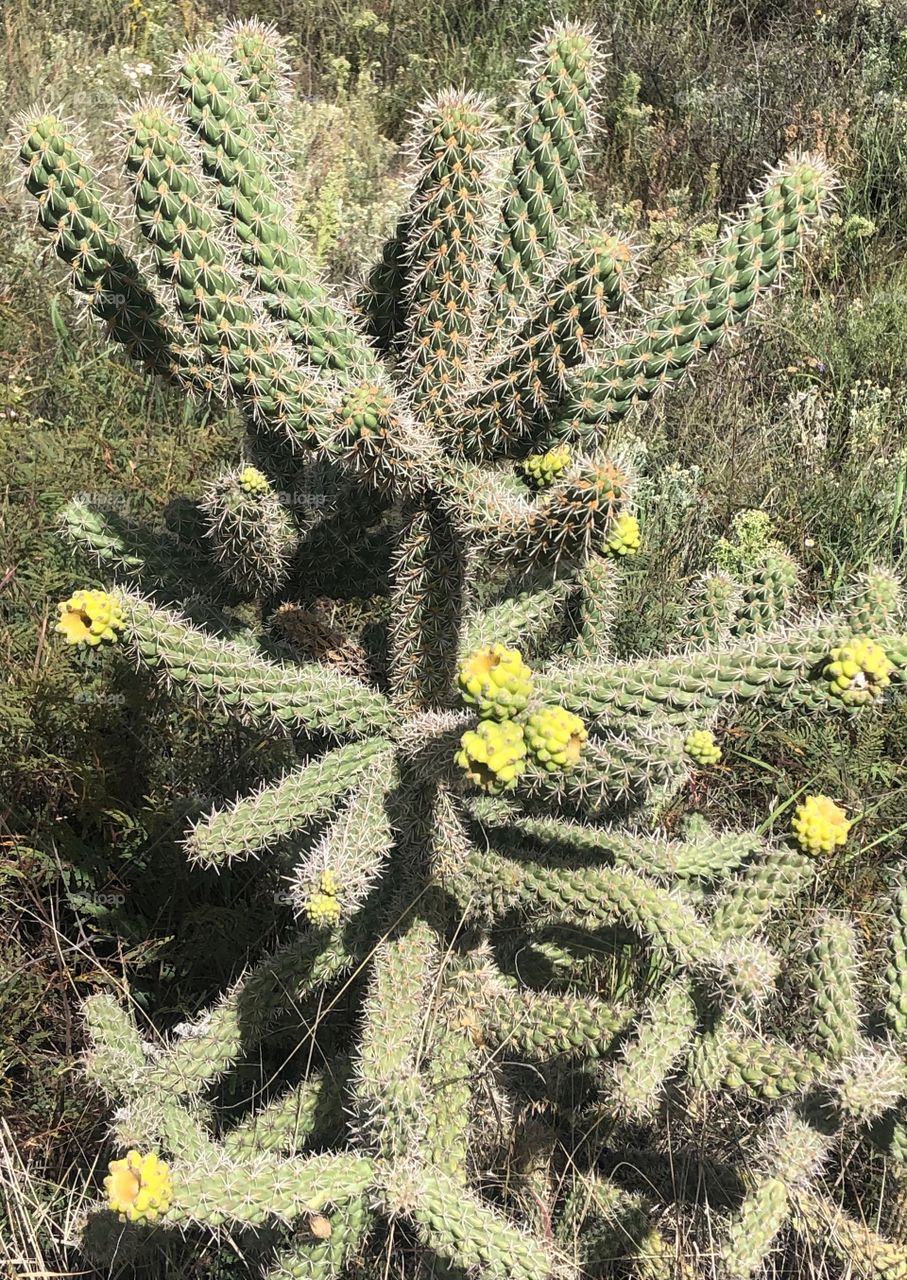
489, 960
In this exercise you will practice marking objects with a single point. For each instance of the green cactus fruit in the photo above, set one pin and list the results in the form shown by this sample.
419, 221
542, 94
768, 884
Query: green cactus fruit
493, 755
555, 738
624, 537
496, 681
701, 746
542, 469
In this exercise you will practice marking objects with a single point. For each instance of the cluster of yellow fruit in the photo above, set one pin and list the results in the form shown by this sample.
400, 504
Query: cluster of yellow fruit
139, 1187
820, 825
858, 672
253, 481
702, 747
498, 683
322, 909
88, 617
542, 469
624, 537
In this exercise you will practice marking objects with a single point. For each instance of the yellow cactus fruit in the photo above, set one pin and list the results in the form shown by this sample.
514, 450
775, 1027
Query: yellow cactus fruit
555, 738
820, 825
493, 755
322, 909
253, 481
496, 681
139, 1188
625, 537
701, 745
858, 672
88, 617
542, 469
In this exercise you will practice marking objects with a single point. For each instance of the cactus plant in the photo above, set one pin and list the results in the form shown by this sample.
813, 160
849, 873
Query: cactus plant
451, 809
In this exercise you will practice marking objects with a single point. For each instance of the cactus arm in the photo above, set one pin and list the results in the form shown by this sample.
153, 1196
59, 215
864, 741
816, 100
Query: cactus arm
528, 620
523, 386
896, 966
272, 252
446, 250
828, 1228
205, 1050
874, 602
389, 1084
714, 607
255, 690
463, 1230
539, 1026
427, 606
710, 304
662, 1034
593, 607
621, 1227
266, 1187
449, 1084
763, 887
557, 121
352, 852
250, 533
259, 63
832, 975
255, 823
705, 857
207, 290
287, 1123
88, 239
312, 1258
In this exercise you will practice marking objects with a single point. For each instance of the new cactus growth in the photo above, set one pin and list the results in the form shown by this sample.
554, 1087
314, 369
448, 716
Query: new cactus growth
453, 822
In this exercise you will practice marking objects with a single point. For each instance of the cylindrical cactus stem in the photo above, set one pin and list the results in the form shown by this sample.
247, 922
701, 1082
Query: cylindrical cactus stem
522, 387
429, 584
254, 690
265, 1187
828, 1229
448, 233
257, 822
896, 966
593, 608
259, 62
603, 1224
208, 1048
116, 1058
87, 237
792, 1153
869, 1082
539, 1025
556, 123
250, 532
153, 1119
710, 304
335, 878
832, 973
275, 259
764, 886
767, 592
287, 1123
705, 856
187, 242
766, 1069
874, 602
382, 300
449, 1084
390, 1088
462, 1229
324, 1243
777, 668
714, 605
530, 621
663, 1032
596, 896
132, 553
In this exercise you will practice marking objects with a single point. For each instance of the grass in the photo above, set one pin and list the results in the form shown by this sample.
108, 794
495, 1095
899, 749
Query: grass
805, 417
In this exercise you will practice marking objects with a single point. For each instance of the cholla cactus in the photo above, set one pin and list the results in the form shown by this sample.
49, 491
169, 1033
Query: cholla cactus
449, 811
